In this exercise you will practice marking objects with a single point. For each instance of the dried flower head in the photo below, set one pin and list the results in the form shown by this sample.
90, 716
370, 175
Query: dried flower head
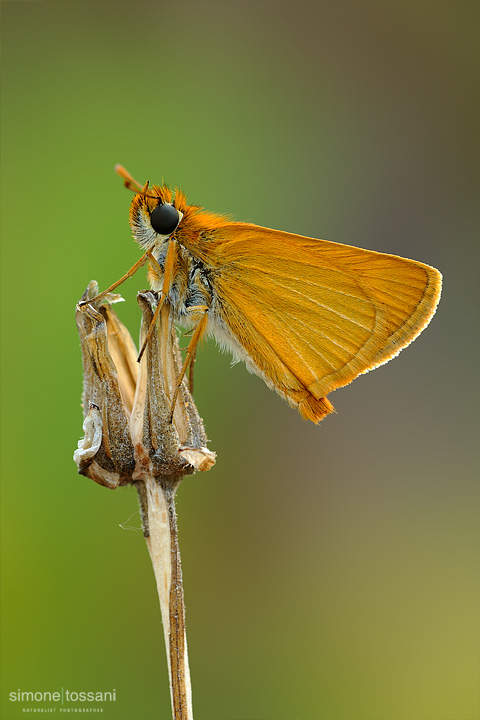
127, 406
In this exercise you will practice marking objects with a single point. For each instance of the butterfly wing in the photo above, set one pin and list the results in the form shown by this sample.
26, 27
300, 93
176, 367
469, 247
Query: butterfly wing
310, 315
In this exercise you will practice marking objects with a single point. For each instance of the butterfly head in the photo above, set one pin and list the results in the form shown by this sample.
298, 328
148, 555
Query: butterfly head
155, 215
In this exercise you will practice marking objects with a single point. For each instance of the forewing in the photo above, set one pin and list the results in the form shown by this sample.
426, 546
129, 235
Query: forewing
313, 314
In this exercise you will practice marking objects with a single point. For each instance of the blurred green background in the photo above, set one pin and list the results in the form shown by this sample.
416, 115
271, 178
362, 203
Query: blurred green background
331, 572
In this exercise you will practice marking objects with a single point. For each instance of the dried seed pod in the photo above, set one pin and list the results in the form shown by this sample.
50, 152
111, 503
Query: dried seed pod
127, 406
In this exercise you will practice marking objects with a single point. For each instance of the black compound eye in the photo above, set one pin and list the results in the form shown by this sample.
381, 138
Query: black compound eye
164, 219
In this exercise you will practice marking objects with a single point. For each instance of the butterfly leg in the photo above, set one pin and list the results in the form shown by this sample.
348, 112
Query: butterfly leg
167, 284
191, 350
190, 371
127, 275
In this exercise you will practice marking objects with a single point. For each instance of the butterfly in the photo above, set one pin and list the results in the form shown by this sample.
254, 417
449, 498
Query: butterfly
306, 315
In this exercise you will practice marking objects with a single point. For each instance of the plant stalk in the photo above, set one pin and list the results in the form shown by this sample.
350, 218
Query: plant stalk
158, 504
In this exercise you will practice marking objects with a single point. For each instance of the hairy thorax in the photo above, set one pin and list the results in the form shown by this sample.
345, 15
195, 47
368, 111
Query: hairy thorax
191, 288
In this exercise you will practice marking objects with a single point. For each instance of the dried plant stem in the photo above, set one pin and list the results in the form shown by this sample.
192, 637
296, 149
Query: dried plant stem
158, 503
132, 438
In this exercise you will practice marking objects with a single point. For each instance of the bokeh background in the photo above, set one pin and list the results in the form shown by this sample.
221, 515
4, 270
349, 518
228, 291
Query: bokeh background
331, 572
